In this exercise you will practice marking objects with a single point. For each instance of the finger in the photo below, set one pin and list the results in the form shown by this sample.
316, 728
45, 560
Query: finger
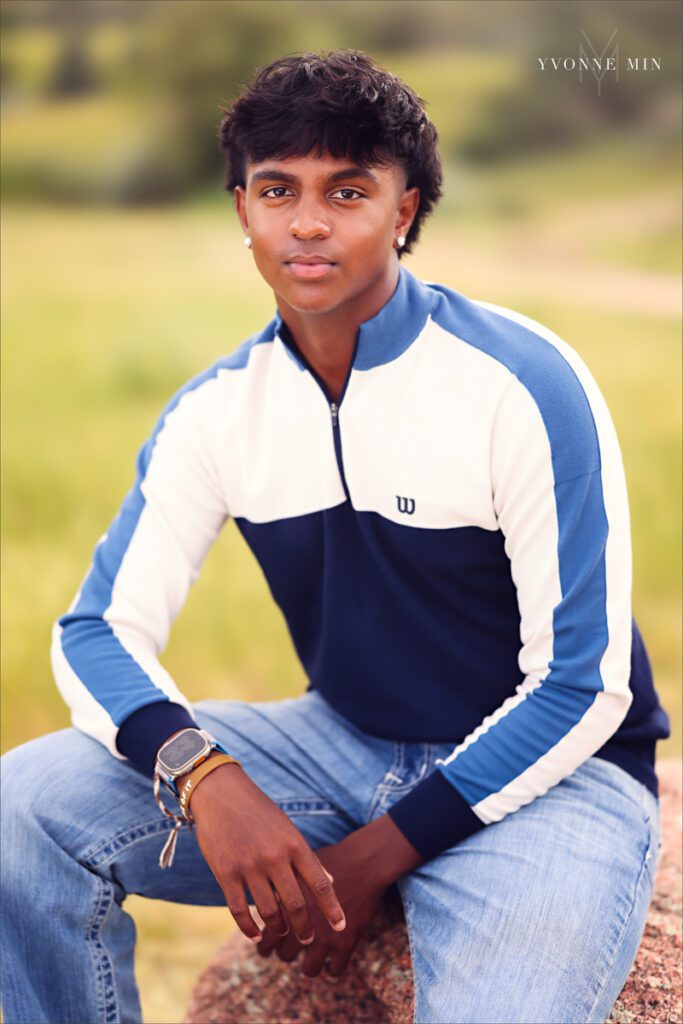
314, 958
287, 923
269, 942
289, 948
295, 906
236, 899
267, 906
338, 963
317, 879
265, 948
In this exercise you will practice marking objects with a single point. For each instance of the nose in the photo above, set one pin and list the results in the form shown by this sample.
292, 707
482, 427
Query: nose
309, 221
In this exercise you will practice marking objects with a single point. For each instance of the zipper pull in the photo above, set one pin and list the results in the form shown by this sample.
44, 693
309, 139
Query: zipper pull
334, 409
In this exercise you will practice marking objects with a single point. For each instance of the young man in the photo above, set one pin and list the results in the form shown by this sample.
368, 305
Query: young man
434, 490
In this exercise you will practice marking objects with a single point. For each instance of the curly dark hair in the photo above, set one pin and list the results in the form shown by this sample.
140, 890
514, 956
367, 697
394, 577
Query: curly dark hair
343, 104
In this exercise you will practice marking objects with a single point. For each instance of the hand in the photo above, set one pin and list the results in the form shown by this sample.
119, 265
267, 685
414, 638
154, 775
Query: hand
362, 865
361, 901
247, 840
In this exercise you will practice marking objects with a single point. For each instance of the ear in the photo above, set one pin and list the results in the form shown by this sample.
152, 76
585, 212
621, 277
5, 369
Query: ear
407, 208
241, 207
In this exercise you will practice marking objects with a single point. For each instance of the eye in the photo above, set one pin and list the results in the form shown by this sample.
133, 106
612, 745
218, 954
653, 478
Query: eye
356, 194
275, 188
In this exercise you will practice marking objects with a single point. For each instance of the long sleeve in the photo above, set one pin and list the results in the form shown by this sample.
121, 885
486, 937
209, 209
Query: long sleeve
105, 650
560, 500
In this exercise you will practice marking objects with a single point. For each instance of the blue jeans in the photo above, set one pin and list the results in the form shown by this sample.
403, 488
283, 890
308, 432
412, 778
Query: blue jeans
535, 918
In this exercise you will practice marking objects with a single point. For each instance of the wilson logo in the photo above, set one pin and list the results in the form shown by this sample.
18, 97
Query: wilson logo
406, 505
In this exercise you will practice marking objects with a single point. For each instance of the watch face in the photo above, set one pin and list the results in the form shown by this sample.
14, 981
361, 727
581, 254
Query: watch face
182, 749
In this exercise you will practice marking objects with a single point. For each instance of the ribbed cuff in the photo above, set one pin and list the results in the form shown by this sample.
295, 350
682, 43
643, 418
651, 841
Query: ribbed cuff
434, 816
143, 732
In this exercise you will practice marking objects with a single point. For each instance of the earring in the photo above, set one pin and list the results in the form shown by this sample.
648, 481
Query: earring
400, 241
247, 241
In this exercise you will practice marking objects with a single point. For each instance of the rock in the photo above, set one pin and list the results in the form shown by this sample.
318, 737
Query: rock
239, 987
653, 990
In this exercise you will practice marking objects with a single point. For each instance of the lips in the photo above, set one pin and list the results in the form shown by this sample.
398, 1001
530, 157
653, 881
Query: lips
310, 267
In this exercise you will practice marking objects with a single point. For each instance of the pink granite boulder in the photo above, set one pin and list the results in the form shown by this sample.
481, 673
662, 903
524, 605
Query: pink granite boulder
239, 987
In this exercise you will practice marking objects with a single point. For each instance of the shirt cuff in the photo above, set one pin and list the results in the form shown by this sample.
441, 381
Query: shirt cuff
434, 816
142, 733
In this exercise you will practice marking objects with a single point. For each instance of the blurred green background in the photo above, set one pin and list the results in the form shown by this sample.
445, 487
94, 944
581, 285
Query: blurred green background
124, 274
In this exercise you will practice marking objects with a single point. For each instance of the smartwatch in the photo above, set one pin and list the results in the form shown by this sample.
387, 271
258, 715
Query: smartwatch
182, 753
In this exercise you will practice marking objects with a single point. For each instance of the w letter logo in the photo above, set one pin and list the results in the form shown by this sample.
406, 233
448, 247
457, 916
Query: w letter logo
406, 505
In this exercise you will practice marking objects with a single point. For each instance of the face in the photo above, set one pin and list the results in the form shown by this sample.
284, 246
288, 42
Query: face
323, 230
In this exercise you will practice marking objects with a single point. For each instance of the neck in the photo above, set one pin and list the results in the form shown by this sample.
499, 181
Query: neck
327, 339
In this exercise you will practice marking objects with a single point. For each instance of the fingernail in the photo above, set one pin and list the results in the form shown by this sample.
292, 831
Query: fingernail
328, 875
283, 933
307, 942
340, 924
256, 938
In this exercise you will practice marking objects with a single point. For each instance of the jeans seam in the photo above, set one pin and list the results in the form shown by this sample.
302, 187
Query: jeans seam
618, 944
382, 789
104, 851
401, 758
300, 810
106, 987
305, 804
304, 810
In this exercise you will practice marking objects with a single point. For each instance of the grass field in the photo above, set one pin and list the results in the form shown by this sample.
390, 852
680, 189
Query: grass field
106, 312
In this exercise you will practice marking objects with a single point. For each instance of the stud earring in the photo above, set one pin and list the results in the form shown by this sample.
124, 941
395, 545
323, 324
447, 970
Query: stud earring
400, 241
247, 241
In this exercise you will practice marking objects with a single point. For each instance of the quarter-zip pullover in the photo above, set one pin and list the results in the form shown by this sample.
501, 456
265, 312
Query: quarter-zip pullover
449, 545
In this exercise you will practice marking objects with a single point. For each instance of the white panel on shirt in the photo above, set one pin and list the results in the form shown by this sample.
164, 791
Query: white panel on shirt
527, 514
276, 453
419, 427
182, 516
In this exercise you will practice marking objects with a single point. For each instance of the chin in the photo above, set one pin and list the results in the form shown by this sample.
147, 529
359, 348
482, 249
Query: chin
312, 299
314, 307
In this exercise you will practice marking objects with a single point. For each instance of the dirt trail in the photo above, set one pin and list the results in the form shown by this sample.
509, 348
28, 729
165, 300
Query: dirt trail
555, 258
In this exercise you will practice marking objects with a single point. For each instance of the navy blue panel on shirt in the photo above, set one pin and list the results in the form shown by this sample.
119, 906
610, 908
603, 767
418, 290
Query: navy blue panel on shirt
340, 577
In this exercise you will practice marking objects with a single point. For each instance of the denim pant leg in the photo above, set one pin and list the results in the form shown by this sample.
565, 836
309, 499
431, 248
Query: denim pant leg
537, 917
81, 830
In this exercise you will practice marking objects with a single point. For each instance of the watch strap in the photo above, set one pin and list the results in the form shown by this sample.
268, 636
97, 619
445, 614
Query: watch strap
199, 773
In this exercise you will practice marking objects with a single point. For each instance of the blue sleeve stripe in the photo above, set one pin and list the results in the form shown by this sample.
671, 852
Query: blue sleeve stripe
89, 643
110, 673
580, 633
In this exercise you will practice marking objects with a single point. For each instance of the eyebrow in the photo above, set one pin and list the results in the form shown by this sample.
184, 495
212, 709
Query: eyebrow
270, 173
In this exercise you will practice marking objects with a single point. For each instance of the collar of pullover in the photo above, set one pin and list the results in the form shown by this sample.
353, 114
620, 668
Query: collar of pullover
387, 334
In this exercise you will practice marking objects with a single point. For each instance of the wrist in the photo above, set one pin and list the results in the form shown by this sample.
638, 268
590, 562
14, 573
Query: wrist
381, 852
199, 785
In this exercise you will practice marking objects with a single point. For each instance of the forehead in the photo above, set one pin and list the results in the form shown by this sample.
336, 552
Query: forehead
312, 169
